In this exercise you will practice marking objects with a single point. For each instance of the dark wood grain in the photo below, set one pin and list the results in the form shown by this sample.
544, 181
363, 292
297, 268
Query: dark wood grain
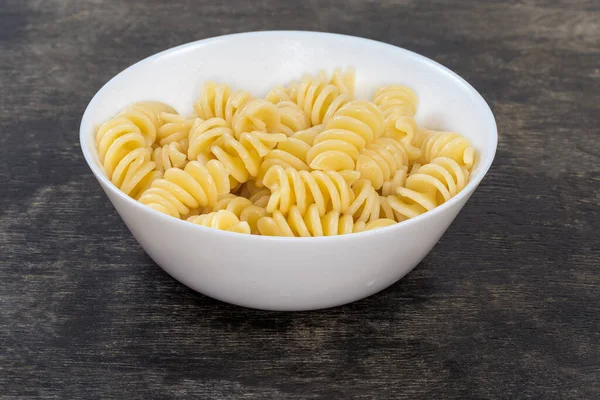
507, 305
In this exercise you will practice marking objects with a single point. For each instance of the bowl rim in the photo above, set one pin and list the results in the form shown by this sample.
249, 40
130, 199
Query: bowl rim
474, 180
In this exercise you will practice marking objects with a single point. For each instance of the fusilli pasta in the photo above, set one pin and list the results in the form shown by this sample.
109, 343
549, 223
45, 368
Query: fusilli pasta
307, 160
329, 190
399, 106
353, 127
431, 185
224, 220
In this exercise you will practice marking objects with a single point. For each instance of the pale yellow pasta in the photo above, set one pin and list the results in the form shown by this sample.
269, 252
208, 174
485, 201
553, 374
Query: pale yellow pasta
398, 180
308, 135
329, 190
379, 161
242, 158
124, 150
308, 224
203, 135
399, 106
181, 190
344, 81
279, 94
318, 98
257, 115
361, 226
148, 117
435, 144
242, 207
176, 128
290, 153
292, 117
387, 212
223, 220
430, 186
351, 129
307, 160
169, 156
365, 207
218, 101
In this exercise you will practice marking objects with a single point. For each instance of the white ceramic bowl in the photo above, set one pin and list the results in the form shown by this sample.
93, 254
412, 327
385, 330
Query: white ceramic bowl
278, 273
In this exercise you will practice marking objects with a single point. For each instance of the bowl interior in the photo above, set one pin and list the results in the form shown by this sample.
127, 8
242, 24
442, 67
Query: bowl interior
258, 61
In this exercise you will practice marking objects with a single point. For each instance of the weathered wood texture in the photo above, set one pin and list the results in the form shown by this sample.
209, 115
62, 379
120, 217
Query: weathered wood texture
506, 306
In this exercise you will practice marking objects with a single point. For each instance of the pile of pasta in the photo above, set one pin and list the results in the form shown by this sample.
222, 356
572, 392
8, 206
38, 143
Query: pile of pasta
309, 159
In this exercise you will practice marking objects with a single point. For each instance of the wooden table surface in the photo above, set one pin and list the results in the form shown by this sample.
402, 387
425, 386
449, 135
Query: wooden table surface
507, 305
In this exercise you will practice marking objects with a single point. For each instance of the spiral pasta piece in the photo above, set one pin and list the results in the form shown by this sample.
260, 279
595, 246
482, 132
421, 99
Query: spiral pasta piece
319, 99
203, 135
175, 128
430, 186
124, 155
242, 158
223, 220
329, 190
218, 101
148, 117
257, 115
243, 208
353, 127
434, 144
362, 226
308, 159
290, 153
309, 135
398, 180
170, 155
182, 190
379, 161
365, 206
311, 224
292, 117
344, 81
259, 196
279, 94
308, 224
399, 106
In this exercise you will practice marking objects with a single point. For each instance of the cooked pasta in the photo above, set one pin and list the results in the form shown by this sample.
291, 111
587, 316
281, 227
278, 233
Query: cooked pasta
319, 99
256, 115
329, 190
180, 190
308, 224
223, 220
399, 106
176, 128
279, 94
307, 160
243, 208
218, 101
148, 117
431, 185
123, 145
398, 180
351, 129
290, 153
379, 161
203, 135
169, 156
365, 206
361, 226
435, 144
308, 135
292, 117
344, 81
242, 158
